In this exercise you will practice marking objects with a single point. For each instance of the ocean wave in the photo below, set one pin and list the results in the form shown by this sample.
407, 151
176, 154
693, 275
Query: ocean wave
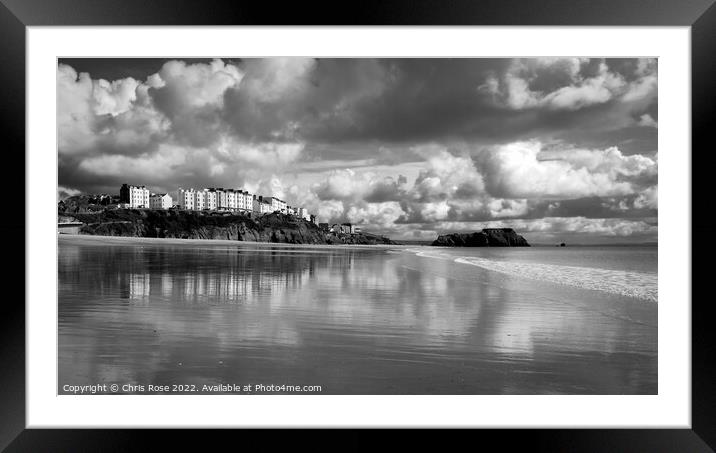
640, 285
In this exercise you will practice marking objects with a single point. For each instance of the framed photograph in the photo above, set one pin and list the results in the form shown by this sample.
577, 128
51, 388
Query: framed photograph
454, 217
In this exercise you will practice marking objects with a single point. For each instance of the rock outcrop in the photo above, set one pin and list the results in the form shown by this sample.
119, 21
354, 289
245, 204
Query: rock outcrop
488, 237
205, 225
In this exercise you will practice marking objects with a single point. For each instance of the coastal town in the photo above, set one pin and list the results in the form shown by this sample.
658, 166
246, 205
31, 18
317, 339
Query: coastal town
212, 200
136, 203
222, 200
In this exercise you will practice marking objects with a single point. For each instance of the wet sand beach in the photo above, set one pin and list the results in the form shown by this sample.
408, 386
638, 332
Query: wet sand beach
351, 319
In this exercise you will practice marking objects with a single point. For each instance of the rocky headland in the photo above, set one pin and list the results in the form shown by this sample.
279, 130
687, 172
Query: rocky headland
488, 237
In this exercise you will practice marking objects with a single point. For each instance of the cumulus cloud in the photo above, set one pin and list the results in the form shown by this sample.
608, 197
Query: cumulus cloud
98, 115
265, 154
132, 117
519, 86
377, 215
275, 79
644, 87
518, 180
116, 97
272, 186
167, 129
331, 210
647, 121
342, 184
146, 166
75, 110
647, 199
503, 183
448, 177
181, 85
347, 184
525, 170
507, 208
386, 189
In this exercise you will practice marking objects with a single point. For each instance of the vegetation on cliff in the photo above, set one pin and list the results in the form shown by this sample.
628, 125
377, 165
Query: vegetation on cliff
86, 203
213, 225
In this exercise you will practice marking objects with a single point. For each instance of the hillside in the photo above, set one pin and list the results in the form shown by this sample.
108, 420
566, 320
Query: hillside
274, 227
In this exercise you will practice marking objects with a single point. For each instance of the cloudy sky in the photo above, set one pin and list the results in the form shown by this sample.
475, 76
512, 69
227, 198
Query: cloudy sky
562, 149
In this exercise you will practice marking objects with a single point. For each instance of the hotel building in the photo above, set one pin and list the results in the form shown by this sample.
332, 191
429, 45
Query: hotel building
276, 204
200, 200
262, 205
220, 199
186, 199
135, 196
211, 199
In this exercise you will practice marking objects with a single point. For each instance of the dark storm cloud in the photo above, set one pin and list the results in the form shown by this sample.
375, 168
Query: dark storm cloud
414, 100
408, 100
630, 140
120, 68
391, 101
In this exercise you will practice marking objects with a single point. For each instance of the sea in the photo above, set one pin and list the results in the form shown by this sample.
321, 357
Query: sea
213, 317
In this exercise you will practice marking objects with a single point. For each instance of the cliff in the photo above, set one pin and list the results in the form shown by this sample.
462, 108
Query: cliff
489, 237
203, 225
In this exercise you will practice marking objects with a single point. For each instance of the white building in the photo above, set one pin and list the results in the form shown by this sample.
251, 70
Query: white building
222, 200
240, 203
246, 201
135, 196
200, 200
234, 200
231, 200
218, 198
277, 205
240, 200
186, 199
160, 201
262, 205
212, 200
303, 213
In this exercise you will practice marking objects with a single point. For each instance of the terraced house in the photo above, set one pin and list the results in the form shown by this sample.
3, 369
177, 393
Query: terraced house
220, 199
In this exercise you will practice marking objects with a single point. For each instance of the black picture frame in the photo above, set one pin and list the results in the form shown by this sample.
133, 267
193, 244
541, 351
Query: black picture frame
700, 15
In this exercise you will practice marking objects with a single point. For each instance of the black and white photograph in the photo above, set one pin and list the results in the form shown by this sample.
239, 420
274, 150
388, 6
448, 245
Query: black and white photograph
357, 226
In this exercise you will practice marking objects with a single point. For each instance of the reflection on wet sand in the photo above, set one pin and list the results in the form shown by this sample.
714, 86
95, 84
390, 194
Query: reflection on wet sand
353, 321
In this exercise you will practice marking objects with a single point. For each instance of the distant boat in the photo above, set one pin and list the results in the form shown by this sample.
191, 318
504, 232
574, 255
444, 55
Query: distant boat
562, 244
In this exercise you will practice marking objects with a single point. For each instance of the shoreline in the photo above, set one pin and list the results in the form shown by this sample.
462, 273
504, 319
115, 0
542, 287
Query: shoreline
224, 242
